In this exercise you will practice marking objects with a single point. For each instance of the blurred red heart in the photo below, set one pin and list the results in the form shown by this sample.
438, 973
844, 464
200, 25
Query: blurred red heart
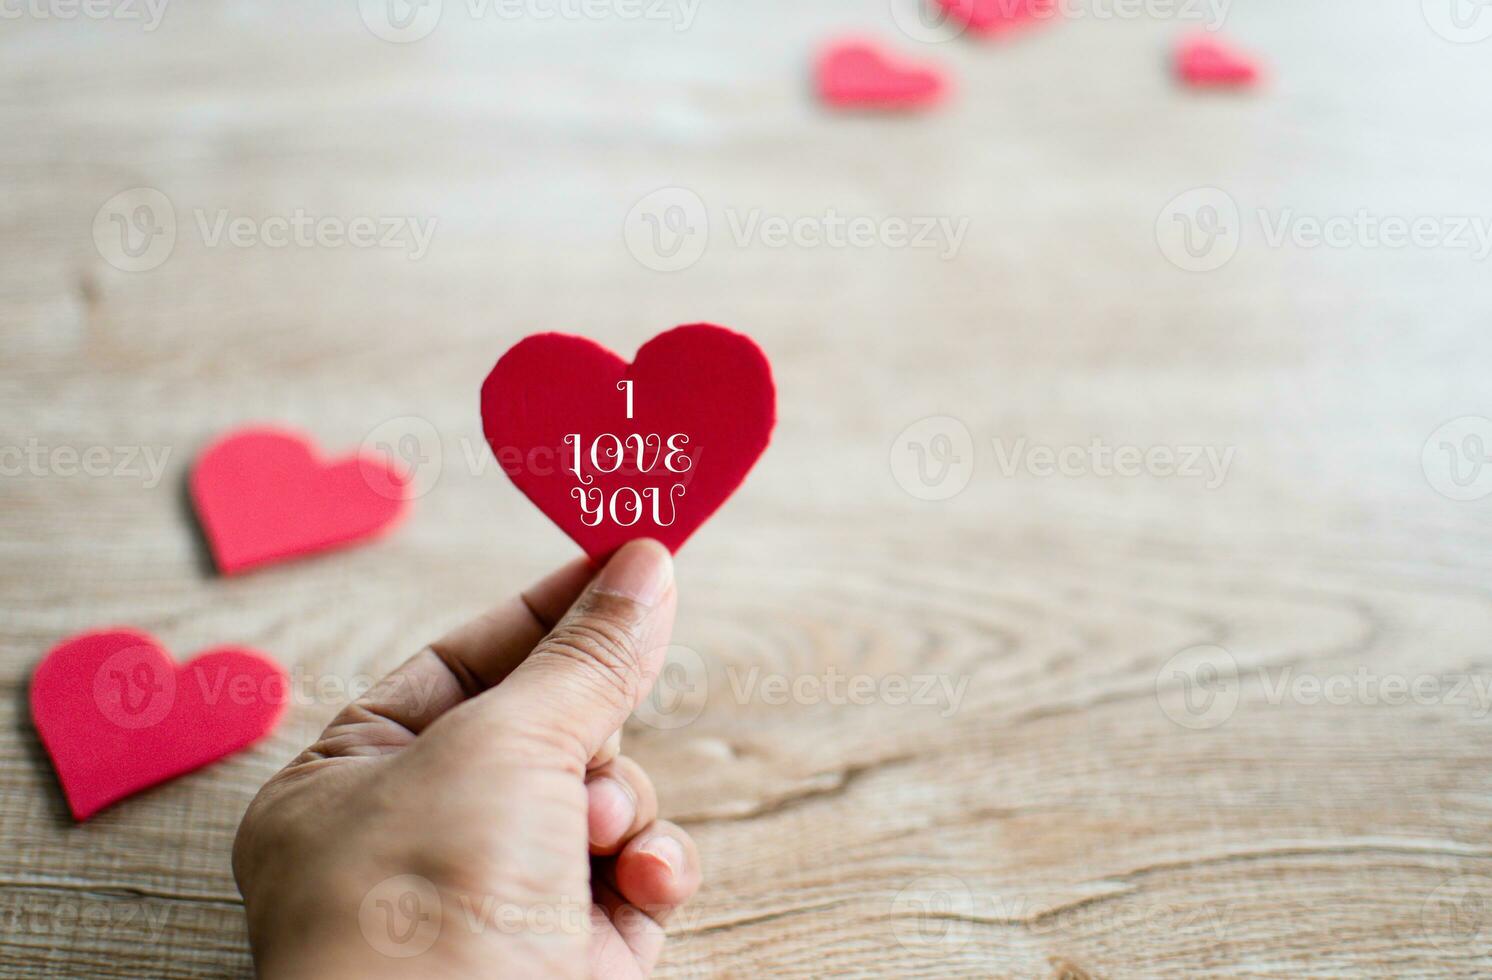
263, 496
859, 74
1206, 62
117, 715
993, 18
659, 444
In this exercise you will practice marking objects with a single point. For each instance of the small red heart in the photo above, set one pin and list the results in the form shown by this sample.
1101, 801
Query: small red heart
117, 715
858, 74
263, 496
994, 18
659, 443
1206, 62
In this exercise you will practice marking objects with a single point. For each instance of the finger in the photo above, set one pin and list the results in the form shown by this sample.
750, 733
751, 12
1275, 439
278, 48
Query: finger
610, 749
658, 869
584, 678
468, 660
625, 941
621, 802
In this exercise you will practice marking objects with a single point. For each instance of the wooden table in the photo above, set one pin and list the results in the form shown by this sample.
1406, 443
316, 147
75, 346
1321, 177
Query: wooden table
1174, 746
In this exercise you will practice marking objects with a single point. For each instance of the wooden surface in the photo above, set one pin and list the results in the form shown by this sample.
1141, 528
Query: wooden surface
1059, 822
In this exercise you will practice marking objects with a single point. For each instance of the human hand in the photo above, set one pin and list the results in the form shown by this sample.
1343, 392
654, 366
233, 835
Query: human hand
487, 767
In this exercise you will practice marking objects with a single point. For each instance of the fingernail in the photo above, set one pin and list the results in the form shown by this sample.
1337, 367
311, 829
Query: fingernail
667, 850
641, 570
612, 810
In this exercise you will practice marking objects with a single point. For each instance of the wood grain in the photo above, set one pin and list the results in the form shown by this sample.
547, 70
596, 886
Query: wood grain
1058, 822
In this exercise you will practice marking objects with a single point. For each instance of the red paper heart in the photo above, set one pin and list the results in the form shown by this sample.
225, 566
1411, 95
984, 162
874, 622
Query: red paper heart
1207, 62
263, 496
994, 18
704, 392
117, 715
859, 74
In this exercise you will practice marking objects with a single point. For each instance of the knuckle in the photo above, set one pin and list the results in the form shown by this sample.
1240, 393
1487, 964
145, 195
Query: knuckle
605, 649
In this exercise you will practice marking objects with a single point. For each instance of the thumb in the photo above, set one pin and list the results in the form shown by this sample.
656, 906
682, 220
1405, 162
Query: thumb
589, 673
